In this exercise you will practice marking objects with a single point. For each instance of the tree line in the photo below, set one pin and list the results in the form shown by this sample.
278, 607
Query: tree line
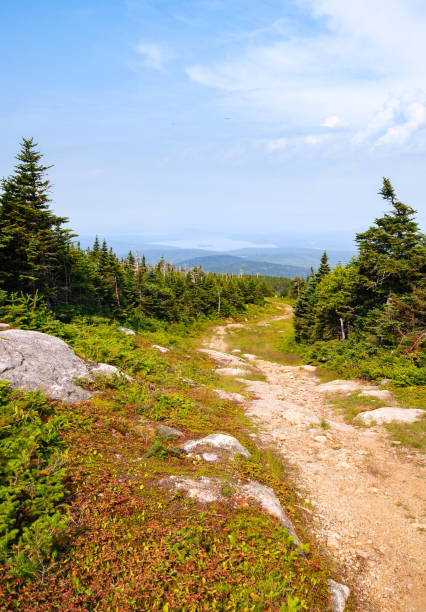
38, 255
380, 295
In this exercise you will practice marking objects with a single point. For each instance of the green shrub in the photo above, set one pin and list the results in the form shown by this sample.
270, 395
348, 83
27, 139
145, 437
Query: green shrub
359, 358
32, 481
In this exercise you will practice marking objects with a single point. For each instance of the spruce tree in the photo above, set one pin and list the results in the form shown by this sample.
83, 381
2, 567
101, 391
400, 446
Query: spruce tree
33, 245
324, 268
392, 252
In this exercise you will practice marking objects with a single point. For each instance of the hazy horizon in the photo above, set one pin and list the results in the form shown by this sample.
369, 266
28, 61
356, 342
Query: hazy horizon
239, 118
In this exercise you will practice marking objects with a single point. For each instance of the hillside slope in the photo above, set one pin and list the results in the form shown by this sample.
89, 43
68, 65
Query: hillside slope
229, 264
147, 522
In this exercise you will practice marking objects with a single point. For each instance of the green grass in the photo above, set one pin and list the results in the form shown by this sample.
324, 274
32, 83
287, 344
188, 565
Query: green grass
265, 341
411, 435
352, 404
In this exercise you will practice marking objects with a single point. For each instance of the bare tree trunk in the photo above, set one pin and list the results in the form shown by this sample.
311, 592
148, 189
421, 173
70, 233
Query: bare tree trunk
342, 329
116, 291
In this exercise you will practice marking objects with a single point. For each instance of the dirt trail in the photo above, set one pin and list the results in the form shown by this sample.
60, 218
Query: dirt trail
368, 496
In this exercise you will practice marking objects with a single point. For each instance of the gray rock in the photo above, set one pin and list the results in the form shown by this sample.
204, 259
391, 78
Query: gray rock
235, 397
108, 371
35, 361
223, 358
340, 386
205, 490
4, 326
390, 414
224, 442
162, 349
266, 497
382, 394
208, 490
210, 457
127, 331
169, 432
339, 594
232, 371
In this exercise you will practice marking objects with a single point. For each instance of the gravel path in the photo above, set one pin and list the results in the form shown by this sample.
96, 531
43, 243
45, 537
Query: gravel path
367, 495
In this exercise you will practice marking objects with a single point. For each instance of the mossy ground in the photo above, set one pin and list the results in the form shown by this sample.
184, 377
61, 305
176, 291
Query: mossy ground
131, 544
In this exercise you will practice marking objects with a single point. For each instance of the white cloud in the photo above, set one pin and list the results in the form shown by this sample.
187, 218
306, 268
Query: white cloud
362, 55
154, 55
415, 117
396, 122
333, 122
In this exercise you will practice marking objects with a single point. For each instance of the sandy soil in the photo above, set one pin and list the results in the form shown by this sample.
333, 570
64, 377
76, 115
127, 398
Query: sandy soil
367, 494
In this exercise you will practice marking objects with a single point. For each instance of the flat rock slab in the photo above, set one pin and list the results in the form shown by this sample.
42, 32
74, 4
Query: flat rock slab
226, 395
390, 415
209, 490
224, 442
34, 361
232, 371
203, 489
382, 394
223, 358
340, 386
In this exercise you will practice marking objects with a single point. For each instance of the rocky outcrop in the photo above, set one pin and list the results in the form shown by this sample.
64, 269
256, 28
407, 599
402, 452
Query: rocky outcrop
225, 444
269, 502
390, 415
34, 361
209, 490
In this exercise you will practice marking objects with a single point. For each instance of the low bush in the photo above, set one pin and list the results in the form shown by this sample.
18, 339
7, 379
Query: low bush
358, 358
32, 481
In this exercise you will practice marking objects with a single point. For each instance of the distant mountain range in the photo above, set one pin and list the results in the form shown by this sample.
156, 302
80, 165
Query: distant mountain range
229, 264
270, 261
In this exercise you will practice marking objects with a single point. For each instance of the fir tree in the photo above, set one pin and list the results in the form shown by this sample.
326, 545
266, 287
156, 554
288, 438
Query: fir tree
33, 245
324, 268
392, 252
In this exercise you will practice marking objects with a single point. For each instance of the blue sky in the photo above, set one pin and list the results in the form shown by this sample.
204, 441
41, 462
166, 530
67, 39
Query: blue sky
234, 116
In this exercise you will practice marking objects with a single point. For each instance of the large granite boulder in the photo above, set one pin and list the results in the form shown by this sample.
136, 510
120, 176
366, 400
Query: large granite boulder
34, 361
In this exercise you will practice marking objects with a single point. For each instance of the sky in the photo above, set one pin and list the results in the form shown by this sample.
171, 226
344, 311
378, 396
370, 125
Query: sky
229, 116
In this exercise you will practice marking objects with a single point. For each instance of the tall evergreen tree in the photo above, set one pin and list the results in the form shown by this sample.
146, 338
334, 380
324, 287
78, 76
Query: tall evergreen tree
33, 245
392, 252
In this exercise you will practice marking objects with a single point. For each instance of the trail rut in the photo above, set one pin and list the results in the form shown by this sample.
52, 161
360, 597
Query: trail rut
367, 496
